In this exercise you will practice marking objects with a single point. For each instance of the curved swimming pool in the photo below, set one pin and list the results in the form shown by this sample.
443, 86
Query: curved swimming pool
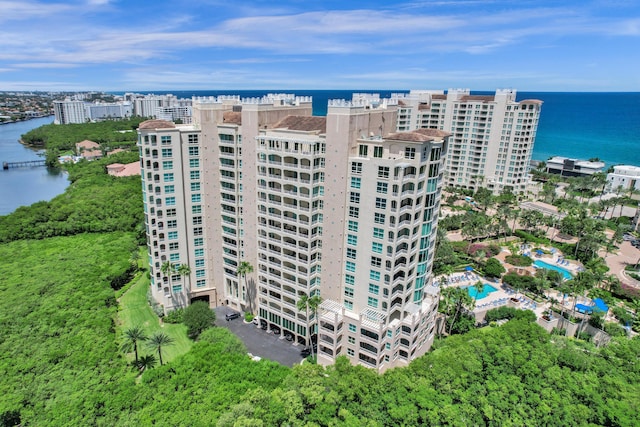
565, 273
486, 290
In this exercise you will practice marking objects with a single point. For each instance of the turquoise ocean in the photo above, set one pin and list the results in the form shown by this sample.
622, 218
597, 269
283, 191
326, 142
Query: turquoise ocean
580, 125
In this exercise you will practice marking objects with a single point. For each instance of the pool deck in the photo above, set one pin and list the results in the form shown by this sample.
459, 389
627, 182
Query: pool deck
504, 294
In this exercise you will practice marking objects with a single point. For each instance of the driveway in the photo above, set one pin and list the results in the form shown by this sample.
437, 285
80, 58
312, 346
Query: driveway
259, 342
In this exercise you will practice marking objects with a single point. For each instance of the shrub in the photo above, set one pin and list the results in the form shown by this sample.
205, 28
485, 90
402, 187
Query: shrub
584, 336
175, 316
500, 313
198, 317
248, 316
622, 315
558, 331
615, 330
519, 260
531, 238
493, 268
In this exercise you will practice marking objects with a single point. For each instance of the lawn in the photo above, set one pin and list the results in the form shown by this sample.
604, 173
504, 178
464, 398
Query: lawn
135, 311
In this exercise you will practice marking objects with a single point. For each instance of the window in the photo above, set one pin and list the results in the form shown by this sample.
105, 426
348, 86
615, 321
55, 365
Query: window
171, 201
354, 197
376, 261
174, 257
350, 266
176, 288
363, 150
172, 235
196, 220
381, 203
352, 327
168, 177
197, 231
382, 187
173, 246
374, 275
198, 241
198, 252
349, 279
378, 218
194, 175
167, 164
354, 211
356, 168
169, 189
199, 263
192, 138
376, 247
195, 186
200, 273
350, 351
165, 140
196, 209
410, 153
195, 198
167, 152
348, 305
372, 302
378, 233
194, 163
356, 182
194, 151
351, 253
352, 240
201, 283
348, 292
353, 225
172, 223
374, 289
377, 152
351, 340
383, 172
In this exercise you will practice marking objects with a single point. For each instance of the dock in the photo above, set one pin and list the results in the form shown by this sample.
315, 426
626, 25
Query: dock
25, 164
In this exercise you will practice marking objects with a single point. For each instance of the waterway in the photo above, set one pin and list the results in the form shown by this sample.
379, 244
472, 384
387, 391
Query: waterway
25, 186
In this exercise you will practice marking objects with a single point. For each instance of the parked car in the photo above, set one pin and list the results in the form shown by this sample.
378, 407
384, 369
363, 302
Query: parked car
263, 324
231, 316
275, 329
628, 237
306, 351
288, 336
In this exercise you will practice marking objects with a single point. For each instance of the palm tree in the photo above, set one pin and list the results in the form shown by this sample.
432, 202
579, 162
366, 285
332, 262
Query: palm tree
309, 304
243, 269
479, 287
133, 335
146, 361
159, 340
184, 270
168, 269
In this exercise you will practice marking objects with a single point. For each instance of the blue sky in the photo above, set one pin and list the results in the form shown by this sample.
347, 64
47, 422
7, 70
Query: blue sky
118, 45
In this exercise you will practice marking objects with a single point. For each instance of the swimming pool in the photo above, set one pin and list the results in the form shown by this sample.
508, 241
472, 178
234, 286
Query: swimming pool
486, 290
565, 273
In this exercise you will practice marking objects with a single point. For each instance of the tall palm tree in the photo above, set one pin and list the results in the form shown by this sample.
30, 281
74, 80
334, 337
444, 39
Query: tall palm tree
479, 287
133, 335
243, 269
167, 268
309, 304
184, 270
159, 340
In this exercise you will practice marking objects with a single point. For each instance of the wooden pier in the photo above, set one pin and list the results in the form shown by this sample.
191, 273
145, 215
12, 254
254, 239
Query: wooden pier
25, 164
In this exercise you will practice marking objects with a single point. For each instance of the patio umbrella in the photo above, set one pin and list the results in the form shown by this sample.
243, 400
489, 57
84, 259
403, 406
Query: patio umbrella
539, 251
468, 268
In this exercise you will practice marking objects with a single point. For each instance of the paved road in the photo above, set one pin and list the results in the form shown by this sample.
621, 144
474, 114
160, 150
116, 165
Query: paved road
259, 342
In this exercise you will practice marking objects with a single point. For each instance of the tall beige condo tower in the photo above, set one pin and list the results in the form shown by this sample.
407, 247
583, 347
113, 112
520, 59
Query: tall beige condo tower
343, 207
492, 136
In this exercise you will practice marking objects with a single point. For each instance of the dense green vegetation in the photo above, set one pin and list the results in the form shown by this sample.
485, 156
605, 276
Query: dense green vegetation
110, 134
94, 202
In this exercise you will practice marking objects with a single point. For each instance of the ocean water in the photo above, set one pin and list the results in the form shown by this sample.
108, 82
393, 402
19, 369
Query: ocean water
580, 125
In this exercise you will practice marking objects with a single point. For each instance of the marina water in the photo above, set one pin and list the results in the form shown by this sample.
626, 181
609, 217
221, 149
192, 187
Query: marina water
26, 185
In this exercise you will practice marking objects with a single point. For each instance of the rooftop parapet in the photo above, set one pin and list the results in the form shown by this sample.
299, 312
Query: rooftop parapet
278, 99
362, 101
220, 99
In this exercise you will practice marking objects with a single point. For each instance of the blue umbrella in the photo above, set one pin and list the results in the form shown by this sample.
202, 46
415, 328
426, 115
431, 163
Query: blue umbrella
468, 268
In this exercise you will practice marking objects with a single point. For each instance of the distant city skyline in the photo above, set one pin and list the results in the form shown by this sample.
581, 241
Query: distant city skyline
114, 45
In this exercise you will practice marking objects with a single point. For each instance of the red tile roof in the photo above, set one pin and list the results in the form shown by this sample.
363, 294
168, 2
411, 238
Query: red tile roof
303, 123
156, 124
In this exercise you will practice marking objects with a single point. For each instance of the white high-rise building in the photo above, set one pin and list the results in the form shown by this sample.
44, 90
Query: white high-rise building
343, 207
492, 136
69, 112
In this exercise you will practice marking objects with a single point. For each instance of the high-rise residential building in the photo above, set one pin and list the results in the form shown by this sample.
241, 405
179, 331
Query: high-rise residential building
492, 135
68, 111
344, 207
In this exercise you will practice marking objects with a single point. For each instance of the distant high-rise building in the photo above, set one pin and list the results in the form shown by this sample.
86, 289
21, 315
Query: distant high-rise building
492, 136
70, 112
343, 207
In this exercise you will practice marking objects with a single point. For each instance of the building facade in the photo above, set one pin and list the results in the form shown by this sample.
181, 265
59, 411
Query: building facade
492, 136
69, 112
573, 167
624, 177
343, 207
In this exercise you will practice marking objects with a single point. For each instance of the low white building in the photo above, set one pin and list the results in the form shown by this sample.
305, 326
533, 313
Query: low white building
573, 167
624, 176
